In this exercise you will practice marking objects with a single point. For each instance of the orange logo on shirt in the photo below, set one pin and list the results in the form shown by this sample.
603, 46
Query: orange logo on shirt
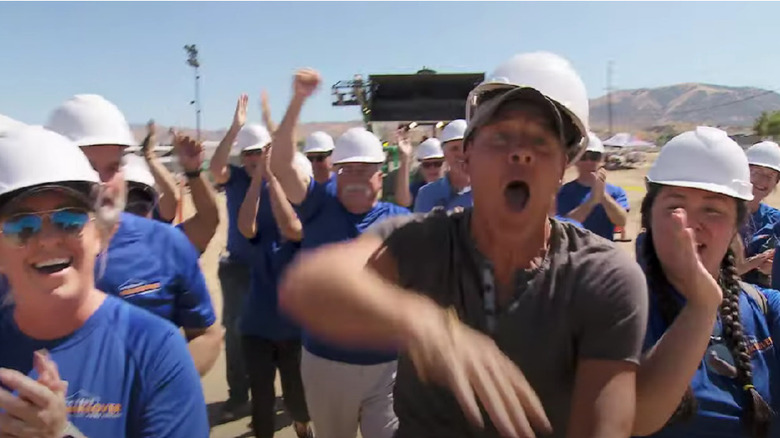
136, 288
754, 346
83, 404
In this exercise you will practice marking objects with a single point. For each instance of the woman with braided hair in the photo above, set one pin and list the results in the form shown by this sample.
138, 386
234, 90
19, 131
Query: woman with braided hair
691, 216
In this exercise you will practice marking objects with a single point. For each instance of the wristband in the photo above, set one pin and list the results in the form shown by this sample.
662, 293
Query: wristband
192, 174
72, 432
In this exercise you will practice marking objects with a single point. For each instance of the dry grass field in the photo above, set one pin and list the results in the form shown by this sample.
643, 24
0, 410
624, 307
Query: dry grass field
214, 386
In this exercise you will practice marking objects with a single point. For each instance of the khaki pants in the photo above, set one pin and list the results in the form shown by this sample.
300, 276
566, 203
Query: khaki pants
342, 396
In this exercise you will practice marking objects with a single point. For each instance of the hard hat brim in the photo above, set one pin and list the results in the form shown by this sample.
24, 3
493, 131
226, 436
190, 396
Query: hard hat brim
67, 188
317, 150
709, 187
364, 159
255, 147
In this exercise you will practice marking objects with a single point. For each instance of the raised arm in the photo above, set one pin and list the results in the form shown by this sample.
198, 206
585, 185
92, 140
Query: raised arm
357, 281
403, 196
219, 161
284, 214
668, 367
265, 108
163, 179
247, 214
294, 182
201, 227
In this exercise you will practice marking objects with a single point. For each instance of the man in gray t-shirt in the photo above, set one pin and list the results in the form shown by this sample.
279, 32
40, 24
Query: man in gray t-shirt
585, 301
507, 321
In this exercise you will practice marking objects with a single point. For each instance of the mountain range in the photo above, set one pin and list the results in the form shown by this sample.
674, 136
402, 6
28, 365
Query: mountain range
640, 110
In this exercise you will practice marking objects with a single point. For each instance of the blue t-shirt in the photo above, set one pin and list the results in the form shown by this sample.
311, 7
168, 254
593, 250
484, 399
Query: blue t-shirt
325, 220
720, 399
238, 246
440, 193
154, 266
573, 194
567, 219
261, 314
129, 373
758, 233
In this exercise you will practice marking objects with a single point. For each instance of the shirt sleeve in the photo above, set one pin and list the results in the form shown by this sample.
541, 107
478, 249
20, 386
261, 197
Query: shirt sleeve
611, 307
316, 195
423, 203
172, 402
193, 301
773, 312
619, 195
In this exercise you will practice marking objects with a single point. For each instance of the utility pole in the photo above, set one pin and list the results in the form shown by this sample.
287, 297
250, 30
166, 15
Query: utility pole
610, 66
192, 61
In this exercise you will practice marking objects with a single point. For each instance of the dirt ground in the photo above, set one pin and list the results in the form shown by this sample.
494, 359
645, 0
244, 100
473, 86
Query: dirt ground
214, 385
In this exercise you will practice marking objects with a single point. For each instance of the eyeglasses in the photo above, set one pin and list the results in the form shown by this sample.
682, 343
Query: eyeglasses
318, 157
592, 156
20, 228
431, 164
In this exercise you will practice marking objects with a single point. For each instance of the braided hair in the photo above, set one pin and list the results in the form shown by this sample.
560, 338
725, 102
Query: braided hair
756, 413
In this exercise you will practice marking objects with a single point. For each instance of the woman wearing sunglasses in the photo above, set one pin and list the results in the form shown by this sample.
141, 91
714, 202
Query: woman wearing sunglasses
691, 214
128, 372
598, 205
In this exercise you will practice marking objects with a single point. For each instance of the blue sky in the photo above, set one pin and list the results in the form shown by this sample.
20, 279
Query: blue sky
132, 52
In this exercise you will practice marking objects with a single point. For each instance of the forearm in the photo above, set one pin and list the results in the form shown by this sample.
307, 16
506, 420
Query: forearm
219, 161
403, 196
615, 212
205, 348
247, 214
201, 227
166, 185
282, 158
582, 212
372, 311
667, 369
284, 214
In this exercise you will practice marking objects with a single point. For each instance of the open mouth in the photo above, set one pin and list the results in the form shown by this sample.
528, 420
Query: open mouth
52, 266
516, 194
760, 188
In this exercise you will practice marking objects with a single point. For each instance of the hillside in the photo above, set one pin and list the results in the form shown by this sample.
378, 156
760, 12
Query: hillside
683, 104
680, 106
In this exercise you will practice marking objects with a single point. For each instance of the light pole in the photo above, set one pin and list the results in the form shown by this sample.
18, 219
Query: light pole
192, 61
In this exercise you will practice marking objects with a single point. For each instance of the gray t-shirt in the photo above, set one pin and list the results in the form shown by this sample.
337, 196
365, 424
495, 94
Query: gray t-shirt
587, 300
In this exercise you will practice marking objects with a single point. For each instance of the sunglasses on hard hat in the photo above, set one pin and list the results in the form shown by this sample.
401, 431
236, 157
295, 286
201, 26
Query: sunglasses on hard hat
431, 164
318, 157
592, 156
20, 228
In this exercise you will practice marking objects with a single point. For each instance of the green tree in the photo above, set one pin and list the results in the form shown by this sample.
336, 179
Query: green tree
767, 124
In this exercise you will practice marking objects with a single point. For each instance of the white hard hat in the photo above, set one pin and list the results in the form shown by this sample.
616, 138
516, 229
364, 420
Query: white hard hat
318, 142
91, 120
545, 77
33, 156
455, 130
7, 124
301, 162
136, 170
594, 143
764, 154
430, 148
358, 146
252, 137
719, 164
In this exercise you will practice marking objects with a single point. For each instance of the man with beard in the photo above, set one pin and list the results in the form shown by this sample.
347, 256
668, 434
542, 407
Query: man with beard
345, 388
148, 263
